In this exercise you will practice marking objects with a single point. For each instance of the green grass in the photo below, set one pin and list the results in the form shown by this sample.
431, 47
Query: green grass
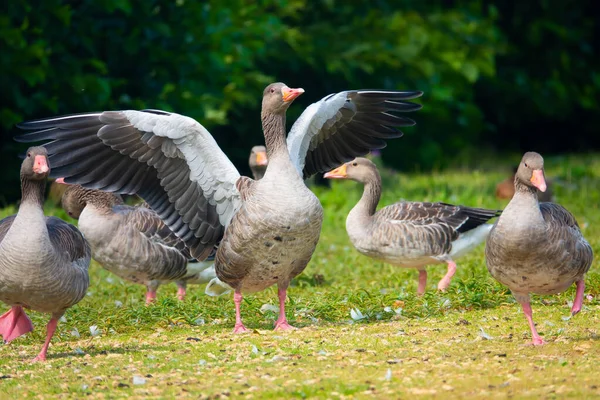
468, 342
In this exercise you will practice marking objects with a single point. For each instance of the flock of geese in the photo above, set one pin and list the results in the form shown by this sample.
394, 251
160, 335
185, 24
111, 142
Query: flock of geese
262, 231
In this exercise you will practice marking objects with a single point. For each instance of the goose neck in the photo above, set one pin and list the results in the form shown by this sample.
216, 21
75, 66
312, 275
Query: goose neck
32, 191
274, 131
367, 204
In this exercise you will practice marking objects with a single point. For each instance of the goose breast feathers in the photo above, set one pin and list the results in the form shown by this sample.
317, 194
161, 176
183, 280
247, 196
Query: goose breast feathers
65, 238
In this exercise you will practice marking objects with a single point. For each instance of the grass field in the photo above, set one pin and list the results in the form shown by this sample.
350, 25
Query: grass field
363, 332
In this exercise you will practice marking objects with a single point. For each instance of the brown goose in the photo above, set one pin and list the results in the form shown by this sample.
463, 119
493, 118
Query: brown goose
506, 189
43, 260
133, 242
410, 234
537, 247
258, 162
269, 228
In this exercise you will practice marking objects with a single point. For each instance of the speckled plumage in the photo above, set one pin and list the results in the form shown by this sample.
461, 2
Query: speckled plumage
537, 247
43, 260
272, 237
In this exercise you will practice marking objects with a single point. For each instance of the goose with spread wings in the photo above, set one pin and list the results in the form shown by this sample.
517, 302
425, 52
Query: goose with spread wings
267, 229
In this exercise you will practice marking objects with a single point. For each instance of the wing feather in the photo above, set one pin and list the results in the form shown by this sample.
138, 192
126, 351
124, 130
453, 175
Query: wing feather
169, 160
67, 238
459, 219
361, 119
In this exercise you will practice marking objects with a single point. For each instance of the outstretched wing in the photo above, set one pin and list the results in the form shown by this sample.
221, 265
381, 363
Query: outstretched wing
346, 125
169, 160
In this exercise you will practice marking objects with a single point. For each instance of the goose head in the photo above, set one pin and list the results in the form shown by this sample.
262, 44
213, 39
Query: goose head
531, 171
35, 166
73, 199
277, 97
258, 161
76, 198
360, 170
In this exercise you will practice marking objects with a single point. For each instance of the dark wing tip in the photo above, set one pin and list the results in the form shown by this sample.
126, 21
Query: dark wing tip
391, 94
408, 107
20, 138
407, 122
154, 111
55, 121
29, 125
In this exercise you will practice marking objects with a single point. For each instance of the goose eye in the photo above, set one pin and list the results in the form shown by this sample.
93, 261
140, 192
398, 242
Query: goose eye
28, 154
272, 90
354, 164
526, 166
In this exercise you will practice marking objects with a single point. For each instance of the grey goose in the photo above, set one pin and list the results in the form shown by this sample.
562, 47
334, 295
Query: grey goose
410, 234
43, 260
537, 247
133, 242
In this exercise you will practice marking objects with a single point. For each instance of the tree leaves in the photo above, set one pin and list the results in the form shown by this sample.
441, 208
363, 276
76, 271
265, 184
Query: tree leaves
211, 60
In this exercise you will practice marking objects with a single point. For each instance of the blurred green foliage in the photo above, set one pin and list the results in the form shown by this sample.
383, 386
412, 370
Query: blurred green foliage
504, 76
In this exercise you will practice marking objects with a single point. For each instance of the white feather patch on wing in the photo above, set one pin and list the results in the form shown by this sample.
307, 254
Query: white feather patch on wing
216, 288
209, 166
309, 124
200, 272
469, 240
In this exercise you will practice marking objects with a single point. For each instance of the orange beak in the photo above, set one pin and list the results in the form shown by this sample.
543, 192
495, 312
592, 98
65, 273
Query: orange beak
537, 179
290, 94
261, 158
338, 173
40, 165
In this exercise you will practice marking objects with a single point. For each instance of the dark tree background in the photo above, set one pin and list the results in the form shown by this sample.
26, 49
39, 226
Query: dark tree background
497, 78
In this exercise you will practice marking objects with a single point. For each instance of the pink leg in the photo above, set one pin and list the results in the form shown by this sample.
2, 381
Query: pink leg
422, 282
537, 340
282, 324
445, 281
239, 325
150, 296
50, 328
14, 323
578, 302
181, 293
